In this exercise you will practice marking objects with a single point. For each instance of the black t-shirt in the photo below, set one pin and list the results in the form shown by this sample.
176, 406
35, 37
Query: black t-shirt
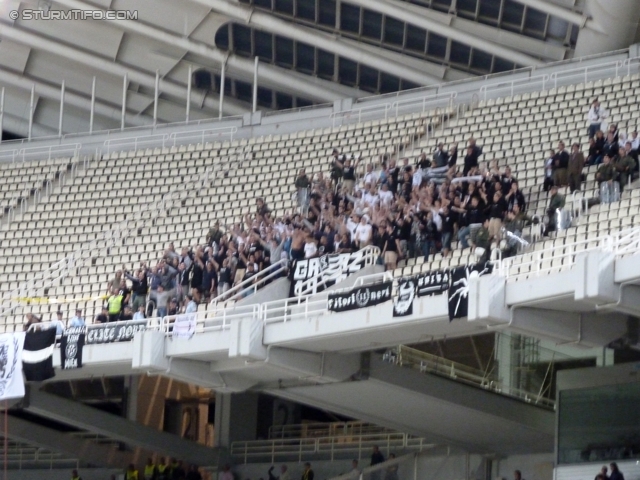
390, 240
506, 184
224, 275
349, 173
248, 275
448, 221
102, 318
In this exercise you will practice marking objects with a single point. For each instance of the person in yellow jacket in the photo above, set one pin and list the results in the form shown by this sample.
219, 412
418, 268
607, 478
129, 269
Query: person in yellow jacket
114, 305
150, 470
131, 473
162, 470
75, 476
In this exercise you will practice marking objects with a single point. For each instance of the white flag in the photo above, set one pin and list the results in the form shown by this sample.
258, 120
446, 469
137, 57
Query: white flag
11, 382
184, 325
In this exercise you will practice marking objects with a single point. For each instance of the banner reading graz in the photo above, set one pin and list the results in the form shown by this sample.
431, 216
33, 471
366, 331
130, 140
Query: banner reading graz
326, 270
361, 297
116, 332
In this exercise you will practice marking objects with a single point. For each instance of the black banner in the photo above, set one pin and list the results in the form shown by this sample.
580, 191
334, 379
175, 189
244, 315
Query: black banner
71, 345
326, 270
115, 332
433, 283
458, 294
361, 297
403, 303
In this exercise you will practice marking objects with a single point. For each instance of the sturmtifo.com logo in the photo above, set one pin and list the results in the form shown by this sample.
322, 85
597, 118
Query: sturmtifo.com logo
75, 14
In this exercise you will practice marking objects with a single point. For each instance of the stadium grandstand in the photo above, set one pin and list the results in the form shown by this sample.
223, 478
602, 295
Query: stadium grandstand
319, 239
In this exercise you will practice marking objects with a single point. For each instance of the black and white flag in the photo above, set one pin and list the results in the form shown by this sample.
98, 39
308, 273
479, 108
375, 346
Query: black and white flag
319, 273
433, 283
71, 346
360, 297
403, 303
11, 382
459, 289
37, 355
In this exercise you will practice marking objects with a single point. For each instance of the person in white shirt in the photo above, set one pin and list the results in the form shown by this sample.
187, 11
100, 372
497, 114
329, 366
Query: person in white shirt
548, 171
371, 197
363, 232
417, 178
310, 247
78, 321
370, 177
192, 306
58, 323
386, 197
595, 117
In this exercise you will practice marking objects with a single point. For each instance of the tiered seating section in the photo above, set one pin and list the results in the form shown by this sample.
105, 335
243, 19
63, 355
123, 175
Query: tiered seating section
513, 131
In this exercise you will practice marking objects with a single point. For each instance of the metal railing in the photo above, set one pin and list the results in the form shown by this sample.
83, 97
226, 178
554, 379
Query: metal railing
251, 285
560, 257
394, 109
310, 430
213, 320
358, 446
487, 379
296, 308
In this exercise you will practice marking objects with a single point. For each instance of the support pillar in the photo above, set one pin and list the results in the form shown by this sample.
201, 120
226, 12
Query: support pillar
236, 418
132, 397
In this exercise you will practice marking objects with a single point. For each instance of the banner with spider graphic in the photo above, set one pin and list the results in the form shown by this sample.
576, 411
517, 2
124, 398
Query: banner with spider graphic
458, 293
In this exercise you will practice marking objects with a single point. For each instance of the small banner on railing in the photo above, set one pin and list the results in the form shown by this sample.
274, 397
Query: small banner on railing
184, 326
432, 283
458, 293
71, 346
118, 332
360, 297
319, 273
403, 303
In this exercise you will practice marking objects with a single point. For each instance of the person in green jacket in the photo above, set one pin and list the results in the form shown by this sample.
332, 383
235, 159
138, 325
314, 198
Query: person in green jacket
625, 167
556, 202
606, 172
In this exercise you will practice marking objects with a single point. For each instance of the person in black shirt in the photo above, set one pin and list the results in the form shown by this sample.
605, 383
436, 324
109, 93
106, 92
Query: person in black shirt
126, 314
249, 274
209, 281
448, 225
349, 174
560, 166
473, 219
428, 233
104, 316
390, 248
496, 212
515, 197
197, 272
224, 277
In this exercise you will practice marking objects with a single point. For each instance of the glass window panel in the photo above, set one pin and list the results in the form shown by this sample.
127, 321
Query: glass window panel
512, 12
372, 24
264, 45
265, 98
262, 3
327, 12
284, 101
326, 64
481, 61
368, 78
284, 51
393, 31
501, 65
436, 46
348, 72
306, 9
466, 8
350, 18
242, 39
284, 6
222, 37
303, 102
490, 9
535, 21
305, 58
460, 53
416, 38
389, 83
244, 91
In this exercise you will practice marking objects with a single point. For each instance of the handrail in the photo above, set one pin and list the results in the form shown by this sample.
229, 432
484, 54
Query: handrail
120, 142
202, 134
331, 445
251, 284
217, 319
370, 255
67, 147
304, 430
428, 363
620, 243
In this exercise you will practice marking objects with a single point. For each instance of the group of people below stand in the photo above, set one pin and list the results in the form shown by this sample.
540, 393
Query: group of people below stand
615, 474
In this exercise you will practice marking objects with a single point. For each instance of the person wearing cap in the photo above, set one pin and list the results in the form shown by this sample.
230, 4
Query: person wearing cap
77, 320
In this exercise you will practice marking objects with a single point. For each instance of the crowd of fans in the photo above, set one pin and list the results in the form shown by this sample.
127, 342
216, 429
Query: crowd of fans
406, 208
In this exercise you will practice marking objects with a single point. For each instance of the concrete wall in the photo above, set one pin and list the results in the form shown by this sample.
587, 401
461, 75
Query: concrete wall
62, 474
277, 290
